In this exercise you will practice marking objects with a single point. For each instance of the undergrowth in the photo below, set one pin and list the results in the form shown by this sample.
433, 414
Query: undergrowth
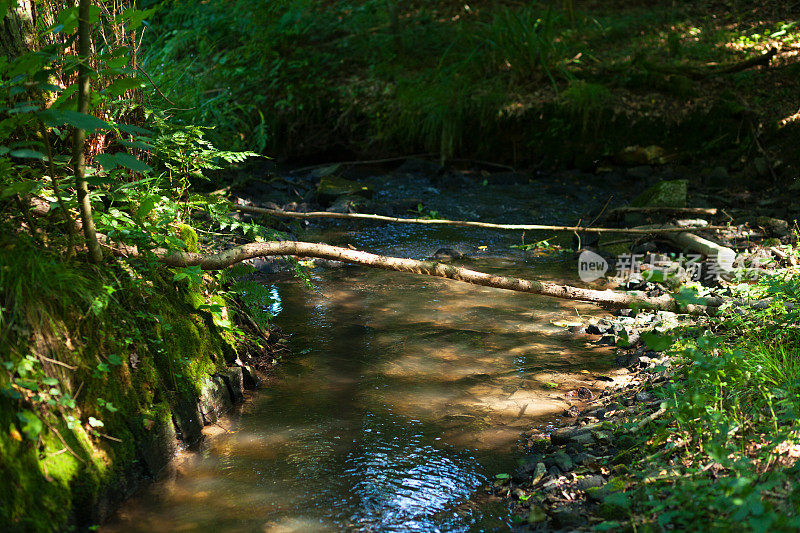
724, 455
99, 355
306, 77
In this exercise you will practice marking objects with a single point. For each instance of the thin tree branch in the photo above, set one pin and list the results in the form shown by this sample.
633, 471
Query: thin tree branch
465, 223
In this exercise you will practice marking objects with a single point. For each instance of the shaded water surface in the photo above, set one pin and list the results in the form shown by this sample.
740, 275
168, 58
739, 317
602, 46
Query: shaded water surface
405, 394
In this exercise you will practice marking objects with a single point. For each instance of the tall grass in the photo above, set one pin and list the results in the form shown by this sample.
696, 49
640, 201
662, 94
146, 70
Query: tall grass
529, 42
35, 284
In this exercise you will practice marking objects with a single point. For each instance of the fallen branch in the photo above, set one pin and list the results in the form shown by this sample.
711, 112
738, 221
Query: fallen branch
361, 162
722, 255
709, 69
463, 223
676, 210
606, 298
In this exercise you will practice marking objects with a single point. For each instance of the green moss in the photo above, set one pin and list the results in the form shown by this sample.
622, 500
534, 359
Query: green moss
189, 237
128, 364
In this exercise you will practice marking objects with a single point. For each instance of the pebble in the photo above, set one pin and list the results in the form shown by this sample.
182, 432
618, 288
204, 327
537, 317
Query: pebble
538, 473
590, 481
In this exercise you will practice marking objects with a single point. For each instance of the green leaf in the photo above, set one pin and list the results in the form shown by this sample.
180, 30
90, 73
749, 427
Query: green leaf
134, 130
50, 381
67, 19
119, 86
48, 87
27, 384
21, 187
116, 62
107, 161
5, 5
136, 144
114, 359
95, 423
63, 100
131, 163
26, 153
23, 108
31, 424
656, 341
688, 296
84, 121
146, 206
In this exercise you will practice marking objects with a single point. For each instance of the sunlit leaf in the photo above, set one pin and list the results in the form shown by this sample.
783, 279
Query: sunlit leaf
146, 206
21, 187
121, 85
107, 161
657, 342
31, 424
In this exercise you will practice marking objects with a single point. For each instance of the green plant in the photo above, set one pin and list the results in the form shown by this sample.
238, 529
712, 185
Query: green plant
587, 102
421, 212
528, 41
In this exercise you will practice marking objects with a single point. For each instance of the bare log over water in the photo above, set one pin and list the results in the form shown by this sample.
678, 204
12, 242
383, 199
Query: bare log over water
606, 298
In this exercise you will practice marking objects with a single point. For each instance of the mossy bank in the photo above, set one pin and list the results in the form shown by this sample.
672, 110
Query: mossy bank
104, 370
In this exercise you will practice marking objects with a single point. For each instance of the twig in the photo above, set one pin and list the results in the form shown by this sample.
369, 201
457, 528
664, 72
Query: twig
164, 96
65, 365
617, 241
109, 437
67, 218
27, 216
484, 163
80, 387
64, 442
678, 210
646, 420
602, 210
767, 158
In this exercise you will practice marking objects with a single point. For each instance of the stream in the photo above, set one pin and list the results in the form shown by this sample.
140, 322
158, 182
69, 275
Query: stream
404, 395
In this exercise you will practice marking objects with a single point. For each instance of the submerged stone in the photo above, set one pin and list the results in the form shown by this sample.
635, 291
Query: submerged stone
332, 187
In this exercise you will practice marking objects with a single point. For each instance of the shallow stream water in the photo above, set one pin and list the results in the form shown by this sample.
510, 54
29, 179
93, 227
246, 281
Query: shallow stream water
403, 397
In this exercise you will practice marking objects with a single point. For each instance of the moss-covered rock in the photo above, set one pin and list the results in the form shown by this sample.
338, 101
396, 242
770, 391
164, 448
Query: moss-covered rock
332, 187
663, 194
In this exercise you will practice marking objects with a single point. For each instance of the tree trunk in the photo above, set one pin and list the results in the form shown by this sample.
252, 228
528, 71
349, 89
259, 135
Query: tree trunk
79, 139
18, 30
